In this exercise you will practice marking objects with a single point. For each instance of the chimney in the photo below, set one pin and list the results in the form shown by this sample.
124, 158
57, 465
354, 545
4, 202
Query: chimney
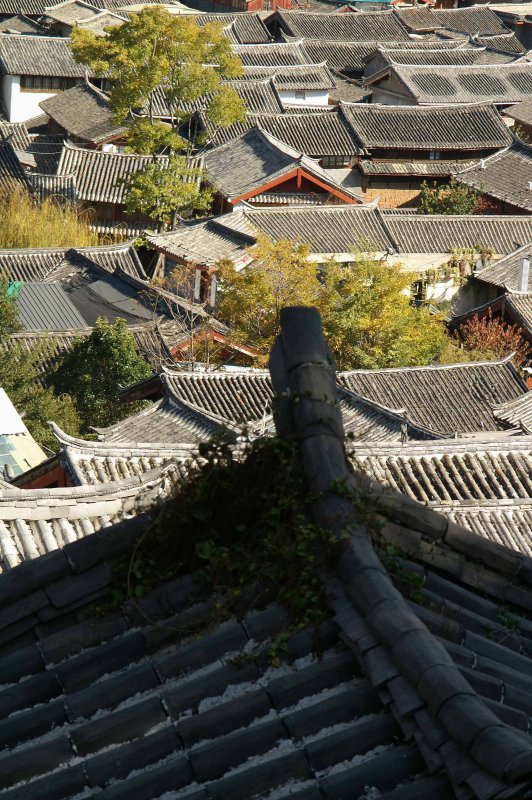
522, 280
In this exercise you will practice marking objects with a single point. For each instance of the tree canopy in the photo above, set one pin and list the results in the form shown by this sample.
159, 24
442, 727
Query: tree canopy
451, 198
20, 380
94, 370
155, 59
489, 337
367, 316
156, 51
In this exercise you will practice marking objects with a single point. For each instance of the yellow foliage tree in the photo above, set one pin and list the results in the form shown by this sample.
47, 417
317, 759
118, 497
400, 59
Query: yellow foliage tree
24, 223
367, 316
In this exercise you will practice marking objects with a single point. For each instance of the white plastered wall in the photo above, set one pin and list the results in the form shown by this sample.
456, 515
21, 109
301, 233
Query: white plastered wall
21, 105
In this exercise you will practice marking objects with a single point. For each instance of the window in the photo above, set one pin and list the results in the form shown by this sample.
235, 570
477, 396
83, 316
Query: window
334, 161
300, 94
434, 155
41, 83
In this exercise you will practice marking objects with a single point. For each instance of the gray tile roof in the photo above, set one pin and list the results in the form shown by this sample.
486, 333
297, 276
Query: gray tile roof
37, 264
100, 176
22, 24
443, 168
31, 8
455, 472
166, 421
337, 229
17, 133
202, 242
478, 20
433, 233
91, 463
260, 96
236, 398
504, 272
506, 176
276, 54
46, 306
481, 484
38, 55
11, 172
328, 229
463, 127
83, 112
244, 165
287, 78
52, 345
426, 697
71, 12
501, 84
35, 522
517, 413
521, 306
504, 43
521, 112
315, 135
103, 20
46, 150
60, 187
245, 28
375, 27
462, 56
350, 56
452, 399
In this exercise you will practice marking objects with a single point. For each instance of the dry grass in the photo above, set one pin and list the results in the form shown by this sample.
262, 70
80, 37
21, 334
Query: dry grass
23, 223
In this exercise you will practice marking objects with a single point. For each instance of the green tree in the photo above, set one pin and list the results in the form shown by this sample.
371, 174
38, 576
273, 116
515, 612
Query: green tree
94, 370
20, 380
369, 320
250, 300
452, 198
157, 54
163, 192
366, 312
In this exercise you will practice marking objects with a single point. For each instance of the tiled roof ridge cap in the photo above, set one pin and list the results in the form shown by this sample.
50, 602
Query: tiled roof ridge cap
431, 367
483, 161
442, 447
392, 213
337, 208
169, 373
517, 401
484, 67
35, 250
336, 12
294, 42
71, 2
41, 37
409, 108
100, 154
300, 360
91, 446
87, 492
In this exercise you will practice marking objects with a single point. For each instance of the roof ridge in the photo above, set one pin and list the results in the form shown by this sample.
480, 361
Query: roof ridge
431, 367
